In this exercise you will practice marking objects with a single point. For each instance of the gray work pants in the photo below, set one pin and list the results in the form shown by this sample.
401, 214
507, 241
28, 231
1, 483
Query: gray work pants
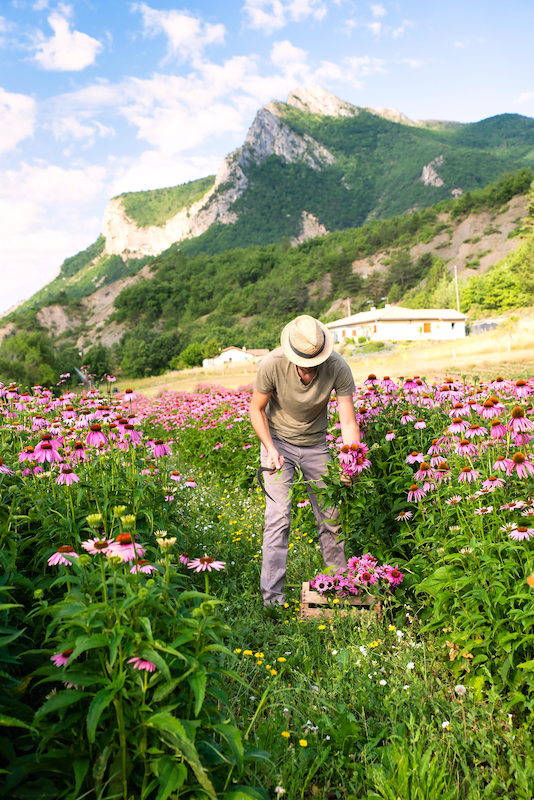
313, 463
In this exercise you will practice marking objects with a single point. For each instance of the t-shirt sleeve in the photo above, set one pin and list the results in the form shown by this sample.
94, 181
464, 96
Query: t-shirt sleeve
344, 385
264, 382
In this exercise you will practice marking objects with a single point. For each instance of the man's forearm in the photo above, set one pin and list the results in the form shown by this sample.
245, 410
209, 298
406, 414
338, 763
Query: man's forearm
350, 431
260, 423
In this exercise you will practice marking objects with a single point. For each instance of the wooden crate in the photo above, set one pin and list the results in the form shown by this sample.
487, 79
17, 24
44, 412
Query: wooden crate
314, 605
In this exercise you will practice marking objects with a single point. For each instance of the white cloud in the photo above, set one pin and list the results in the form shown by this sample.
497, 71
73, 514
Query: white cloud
38, 235
187, 36
397, 32
40, 4
460, 45
378, 11
284, 54
271, 15
524, 97
71, 127
17, 119
412, 62
375, 27
364, 65
66, 50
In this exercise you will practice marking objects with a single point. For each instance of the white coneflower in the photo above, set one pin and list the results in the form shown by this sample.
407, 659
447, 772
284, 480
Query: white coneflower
168, 542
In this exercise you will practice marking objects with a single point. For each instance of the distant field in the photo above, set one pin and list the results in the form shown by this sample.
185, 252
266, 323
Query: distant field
509, 351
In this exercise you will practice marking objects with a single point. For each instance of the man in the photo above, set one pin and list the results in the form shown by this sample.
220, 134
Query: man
288, 411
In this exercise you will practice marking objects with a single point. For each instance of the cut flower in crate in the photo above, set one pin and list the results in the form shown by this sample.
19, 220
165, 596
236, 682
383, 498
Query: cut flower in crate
364, 575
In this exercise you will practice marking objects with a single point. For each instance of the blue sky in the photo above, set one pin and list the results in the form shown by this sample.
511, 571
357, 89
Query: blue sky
97, 98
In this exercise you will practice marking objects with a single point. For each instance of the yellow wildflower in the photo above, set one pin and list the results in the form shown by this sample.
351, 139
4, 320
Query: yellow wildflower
281, 659
303, 742
247, 652
322, 627
237, 650
286, 734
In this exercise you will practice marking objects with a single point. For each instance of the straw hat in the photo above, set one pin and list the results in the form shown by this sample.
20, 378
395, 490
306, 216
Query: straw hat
306, 341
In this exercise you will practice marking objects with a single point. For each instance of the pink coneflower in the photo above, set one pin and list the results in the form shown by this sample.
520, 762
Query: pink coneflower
247, 446
489, 410
4, 469
62, 556
475, 430
466, 448
420, 425
388, 385
404, 515
27, 454
509, 527
390, 435
303, 503
67, 477
47, 453
393, 575
519, 423
454, 500
407, 417
97, 546
95, 437
130, 434
521, 533
169, 498
140, 663
125, 547
175, 476
161, 449
521, 389
443, 471
520, 439
501, 463
521, 464
483, 510
415, 457
468, 474
435, 448
143, 566
189, 484
129, 396
458, 425
184, 558
415, 493
206, 563
78, 452
424, 473
61, 659
493, 482
497, 429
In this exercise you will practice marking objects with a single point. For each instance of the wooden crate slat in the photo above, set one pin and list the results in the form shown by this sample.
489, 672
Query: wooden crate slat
311, 605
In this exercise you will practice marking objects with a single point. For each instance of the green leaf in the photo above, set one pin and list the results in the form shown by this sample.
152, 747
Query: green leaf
435, 583
233, 737
12, 722
171, 776
116, 639
99, 703
80, 766
147, 627
245, 793
198, 685
159, 661
166, 688
174, 734
59, 700
84, 643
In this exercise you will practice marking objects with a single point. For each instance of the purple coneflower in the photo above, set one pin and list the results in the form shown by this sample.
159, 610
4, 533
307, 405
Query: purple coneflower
468, 474
458, 425
521, 464
497, 429
175, 476
475, 430
493, 482
47, 453
459, 410
206, 563
519, 423
501, 463
390, 435
424, 473
420, 425
189, 484
466, 448
393, 575
443, 471
407, 417
4, 469
143, 566
95, 437
521, 532
415, 457
67, 477
404, 515
125, 547
140, 663
521, 389
509, 527
60, 556
454, 500
415, 493
184, 558
61, 659
97, 546
303, 503
161, 449
129, 396
483, 510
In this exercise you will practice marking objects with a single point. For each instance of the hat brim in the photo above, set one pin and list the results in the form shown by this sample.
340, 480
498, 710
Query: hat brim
307, 362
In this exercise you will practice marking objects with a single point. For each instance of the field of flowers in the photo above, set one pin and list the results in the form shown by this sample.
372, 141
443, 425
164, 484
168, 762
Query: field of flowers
135, 657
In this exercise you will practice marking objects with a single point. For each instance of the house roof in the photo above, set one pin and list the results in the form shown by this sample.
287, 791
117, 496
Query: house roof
261, 352
399, 314
232, 347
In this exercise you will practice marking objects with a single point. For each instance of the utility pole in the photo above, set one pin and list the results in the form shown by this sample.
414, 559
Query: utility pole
457, 293
348, 306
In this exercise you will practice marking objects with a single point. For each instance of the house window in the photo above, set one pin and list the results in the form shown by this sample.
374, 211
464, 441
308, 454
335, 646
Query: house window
343, 334
426, 327
452, 326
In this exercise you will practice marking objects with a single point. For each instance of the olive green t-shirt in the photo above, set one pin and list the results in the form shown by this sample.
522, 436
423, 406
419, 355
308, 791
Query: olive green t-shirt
297, 413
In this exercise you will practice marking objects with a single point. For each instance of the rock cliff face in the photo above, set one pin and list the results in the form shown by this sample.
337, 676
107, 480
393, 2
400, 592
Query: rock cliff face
268, 135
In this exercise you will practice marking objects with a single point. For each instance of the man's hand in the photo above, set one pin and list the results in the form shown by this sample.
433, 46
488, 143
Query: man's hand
274, 461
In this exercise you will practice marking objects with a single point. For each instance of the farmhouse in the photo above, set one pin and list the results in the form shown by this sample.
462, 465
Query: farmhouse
233, 355
394, 323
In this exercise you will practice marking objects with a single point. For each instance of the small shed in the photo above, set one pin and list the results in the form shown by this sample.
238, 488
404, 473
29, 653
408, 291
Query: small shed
395, 323
234, 355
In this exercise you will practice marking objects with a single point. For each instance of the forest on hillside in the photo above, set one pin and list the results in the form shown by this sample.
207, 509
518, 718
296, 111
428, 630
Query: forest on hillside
195, 304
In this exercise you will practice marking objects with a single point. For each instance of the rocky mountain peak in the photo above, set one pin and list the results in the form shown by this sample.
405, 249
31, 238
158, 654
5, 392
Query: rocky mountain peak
317, 100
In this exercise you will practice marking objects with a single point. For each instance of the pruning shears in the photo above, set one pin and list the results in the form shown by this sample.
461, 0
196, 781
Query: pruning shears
261, 482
